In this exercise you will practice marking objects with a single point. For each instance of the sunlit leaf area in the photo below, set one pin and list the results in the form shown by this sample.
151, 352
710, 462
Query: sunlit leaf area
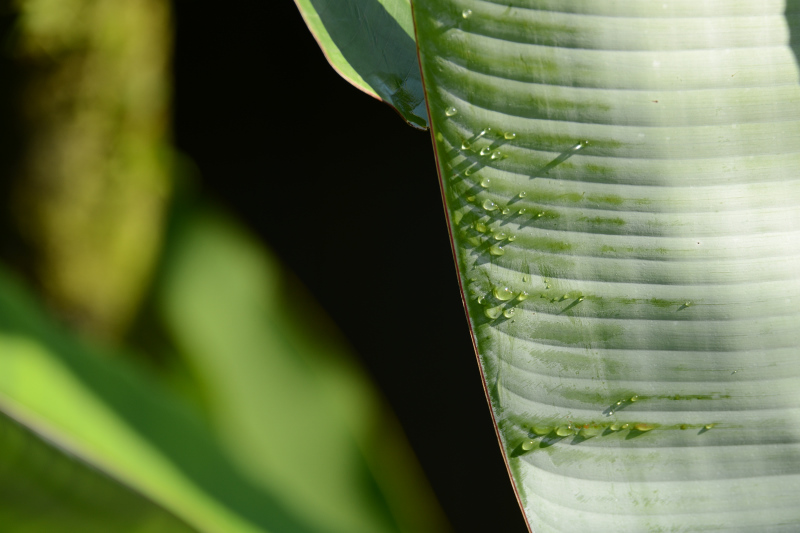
228, 301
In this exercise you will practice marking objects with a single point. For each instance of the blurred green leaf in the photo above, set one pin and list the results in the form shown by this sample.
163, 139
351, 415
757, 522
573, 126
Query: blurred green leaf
116, 419
287, 400
43, 488
371, 44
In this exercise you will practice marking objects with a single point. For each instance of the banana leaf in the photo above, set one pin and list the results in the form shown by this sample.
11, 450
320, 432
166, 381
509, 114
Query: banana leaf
371, 44
622, 193
621, 190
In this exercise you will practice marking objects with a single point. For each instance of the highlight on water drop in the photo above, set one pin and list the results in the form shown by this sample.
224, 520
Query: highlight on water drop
503, 294
485, 182
506, 210
522, 194
509, 135
466, 13
497, 250
497, 154
509, 312
489, 205
450, 111
485, 150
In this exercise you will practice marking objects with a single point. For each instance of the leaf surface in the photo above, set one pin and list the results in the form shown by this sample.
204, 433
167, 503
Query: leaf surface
621, 184
371, 44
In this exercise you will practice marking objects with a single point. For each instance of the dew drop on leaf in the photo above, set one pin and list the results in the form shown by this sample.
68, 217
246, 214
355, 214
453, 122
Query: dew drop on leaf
497, 250
450, 111
508, 313
522, 194
466, 13
492, 312
503, 294
509, 135
489, 205
485, 150
485, 182
563, 431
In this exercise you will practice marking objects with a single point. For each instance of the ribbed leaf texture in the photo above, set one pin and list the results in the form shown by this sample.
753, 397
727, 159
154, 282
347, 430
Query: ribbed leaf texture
621, 184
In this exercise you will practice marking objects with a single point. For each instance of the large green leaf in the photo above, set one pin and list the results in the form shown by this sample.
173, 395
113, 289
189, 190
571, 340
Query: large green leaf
371, 44
621, 181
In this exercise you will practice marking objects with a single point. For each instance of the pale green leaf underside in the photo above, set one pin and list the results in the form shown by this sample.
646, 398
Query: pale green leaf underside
627, 231
371, 44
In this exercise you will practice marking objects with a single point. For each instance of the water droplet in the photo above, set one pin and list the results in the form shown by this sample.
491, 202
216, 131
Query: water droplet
564, 297
580, 145
522, 194
522, 296
503, 294
616, 426
709, 426
540, 215
468, 172
687, 304
480, 226
624, 426
485, 131
564, 431
526, 278
489, 205
506, 210
619, 402
466, 13
500, 236
485, 150
508, 313
641, 426
465, 145
528, 445
582, 298
450, 111
481, 299
509, 135
485, 182
541, 430
634, 398
470, 198
523, 211
439, 137
497, 154
511, 238
492, 312
497, 250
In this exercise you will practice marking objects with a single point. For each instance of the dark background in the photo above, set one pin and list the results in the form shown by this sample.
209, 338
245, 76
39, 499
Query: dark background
347, 194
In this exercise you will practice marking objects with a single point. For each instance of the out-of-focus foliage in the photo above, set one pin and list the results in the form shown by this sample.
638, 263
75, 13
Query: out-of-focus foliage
248, 413
92, 177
